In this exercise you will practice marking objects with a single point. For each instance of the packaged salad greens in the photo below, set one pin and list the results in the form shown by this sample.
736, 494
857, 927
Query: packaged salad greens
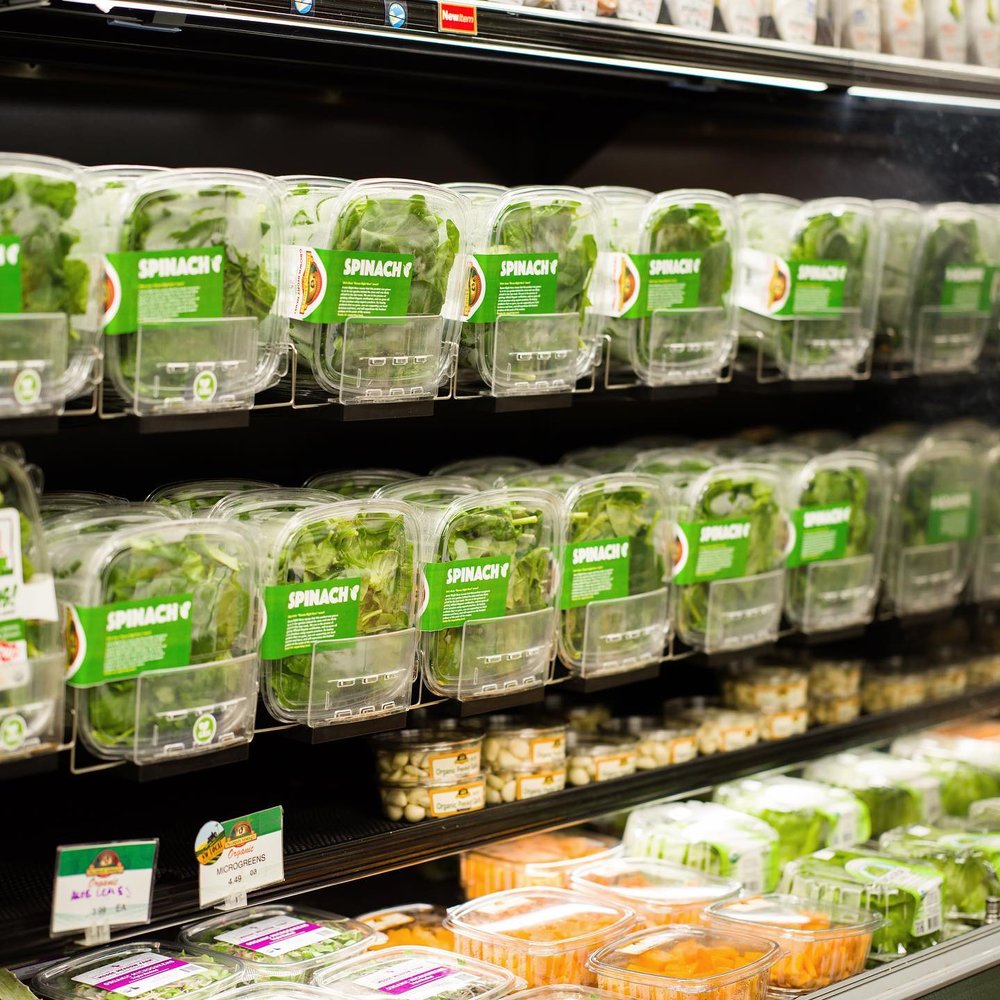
197, 497
906, 894
603, 459
33, 662
373, 299
558, 478
191, 281
857, 25
709, 837
808, 278
340, 594
166, 609
953, 293
900, 226
144, 968
266, 507
986, 572
356, 484
968, 769
805, 814
527, 325
675, 467
49, 296
59, 502
489, 470
730, 543
840, 513
897, 792
288, 943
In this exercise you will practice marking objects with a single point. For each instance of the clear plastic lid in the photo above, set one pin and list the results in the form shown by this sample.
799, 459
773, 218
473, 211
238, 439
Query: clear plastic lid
429, 493
198, 496
50, 313
821, 440
308, 205
900, 226
709, 837
601, 460
540, 921
356, 484
762, 687
673, 959
481, 199
281, 942
794, 917
719, 728
400, 971
219, 349
410, 924
276, 990
488, 470
543, 853
564, 992
558, 478
948, 744
59, 502
102, 520
428, 756
269, 507
652, 887
622, 210
675, 466
140, 968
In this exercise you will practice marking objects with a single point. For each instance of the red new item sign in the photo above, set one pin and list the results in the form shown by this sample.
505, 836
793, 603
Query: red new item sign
459, 18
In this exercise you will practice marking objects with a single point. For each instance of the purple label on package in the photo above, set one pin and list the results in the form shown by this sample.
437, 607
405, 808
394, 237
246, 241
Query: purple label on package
416, 980
132, 977
276, 937
115, 983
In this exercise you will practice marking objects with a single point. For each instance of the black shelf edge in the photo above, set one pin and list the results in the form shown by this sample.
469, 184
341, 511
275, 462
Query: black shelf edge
185, 765
18, 427
187, 422
316, 735
591, 685
43, 763
356, 412
501, 702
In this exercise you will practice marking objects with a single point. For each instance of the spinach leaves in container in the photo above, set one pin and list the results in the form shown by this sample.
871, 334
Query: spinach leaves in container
163, 637
190, 320
340, 593
527, 325
986, 580
33, 667
278, 942
808, 279
48, 291
614, 594
374, 301
900, 226
840, 509
197, 497
730, 542
953, 289
356, 484
488, 470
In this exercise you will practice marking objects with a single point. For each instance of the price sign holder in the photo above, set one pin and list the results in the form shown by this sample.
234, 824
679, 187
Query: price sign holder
239, 855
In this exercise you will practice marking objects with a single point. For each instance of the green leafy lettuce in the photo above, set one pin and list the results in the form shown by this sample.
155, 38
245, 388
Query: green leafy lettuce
900, 235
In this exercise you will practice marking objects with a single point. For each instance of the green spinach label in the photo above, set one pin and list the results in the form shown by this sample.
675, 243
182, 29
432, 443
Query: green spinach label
659, 283
464, 590
122, 640
158, 286
302, 615
595, 571
10, 275
331, 286
711, 550
821, 533
953, 516
772, 286
511, 284
967, 288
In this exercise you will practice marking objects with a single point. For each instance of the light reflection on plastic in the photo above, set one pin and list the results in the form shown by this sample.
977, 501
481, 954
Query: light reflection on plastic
922, 97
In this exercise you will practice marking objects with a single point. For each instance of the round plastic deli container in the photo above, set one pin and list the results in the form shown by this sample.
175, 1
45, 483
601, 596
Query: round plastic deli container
657, 744
417, 801
510, 744
420, 756
543, 936
601, 758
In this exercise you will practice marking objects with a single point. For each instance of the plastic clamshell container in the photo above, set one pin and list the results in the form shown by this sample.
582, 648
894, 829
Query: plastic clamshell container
385, 358
985, 812
674, 466
368, 549
949, 314
541, 935
168, 712
693, 342
626, 624
659, 892
563, 991
730, 613
531, 353
601, 460
657, 744
276, 990
557, 478
268, 509
905, 894
409, 925
431, 494
820, 944
623, 968
489, 470
897, 792
841, 503
198, 496
900, 227
59, 502
827, 326
281, 942
541, 859
416, 756
492, 656
709, 837
357, 484
32, 675
146, 968
806, 815
986, 573
424, 973
719, 729
514, 742
191, 363
933, 526
50, 323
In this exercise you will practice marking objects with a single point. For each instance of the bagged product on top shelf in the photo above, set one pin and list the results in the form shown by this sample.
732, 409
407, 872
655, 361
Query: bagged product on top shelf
692, 15
906, 894
807, 284
33, 667
805, 814
374, 301
900, 227
857, 25
188, 584
793, 21
903, 27
730, 546
528, 328
946, 25
357, 484
897, 792
741, 18
707, 836
197, 497
489, 565
192, 276
984, 34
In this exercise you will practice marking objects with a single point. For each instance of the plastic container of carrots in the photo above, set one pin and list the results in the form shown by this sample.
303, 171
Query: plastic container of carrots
563, 991
680, 963
820, 943
660, 892
410, 924
542, 859
543, 936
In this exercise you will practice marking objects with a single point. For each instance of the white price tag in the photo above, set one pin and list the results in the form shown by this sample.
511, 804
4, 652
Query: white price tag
239, 855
